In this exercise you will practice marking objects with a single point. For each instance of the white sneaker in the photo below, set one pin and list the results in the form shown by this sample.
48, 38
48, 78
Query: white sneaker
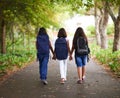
44, 82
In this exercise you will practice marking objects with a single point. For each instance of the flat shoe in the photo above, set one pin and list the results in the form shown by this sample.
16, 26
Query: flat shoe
62, 81
79, 82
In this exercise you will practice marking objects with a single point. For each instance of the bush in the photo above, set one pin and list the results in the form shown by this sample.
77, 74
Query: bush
15, 59
91, 30
107, 57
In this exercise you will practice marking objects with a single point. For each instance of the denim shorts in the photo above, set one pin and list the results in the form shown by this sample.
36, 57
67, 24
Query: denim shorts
80, 60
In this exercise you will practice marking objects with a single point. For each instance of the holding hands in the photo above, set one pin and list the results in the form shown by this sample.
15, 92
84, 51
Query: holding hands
54, 57
70, 57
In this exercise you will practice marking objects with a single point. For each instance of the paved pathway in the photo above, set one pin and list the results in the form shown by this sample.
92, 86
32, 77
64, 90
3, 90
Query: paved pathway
26, 83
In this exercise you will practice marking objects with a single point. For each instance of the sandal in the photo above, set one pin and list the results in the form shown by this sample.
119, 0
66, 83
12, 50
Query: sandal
62, 81
79, 82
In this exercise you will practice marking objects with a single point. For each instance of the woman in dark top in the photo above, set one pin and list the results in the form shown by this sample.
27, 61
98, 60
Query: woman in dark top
80, 60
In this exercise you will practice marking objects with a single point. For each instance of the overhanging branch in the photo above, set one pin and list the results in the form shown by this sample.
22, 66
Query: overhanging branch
110, 12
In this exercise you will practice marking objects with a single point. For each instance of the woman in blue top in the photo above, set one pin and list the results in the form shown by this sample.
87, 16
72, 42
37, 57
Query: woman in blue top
43, 46
80, 60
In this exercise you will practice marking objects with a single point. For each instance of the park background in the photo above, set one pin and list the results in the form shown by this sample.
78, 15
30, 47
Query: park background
21, 20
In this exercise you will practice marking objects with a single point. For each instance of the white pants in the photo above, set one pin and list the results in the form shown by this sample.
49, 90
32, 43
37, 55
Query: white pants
63, 68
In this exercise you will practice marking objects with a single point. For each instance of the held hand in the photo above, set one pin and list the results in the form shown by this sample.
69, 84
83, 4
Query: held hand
70, 58
54, 57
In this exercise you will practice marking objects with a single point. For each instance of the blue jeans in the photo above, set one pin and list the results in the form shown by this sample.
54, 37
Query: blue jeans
81, 60
43, 67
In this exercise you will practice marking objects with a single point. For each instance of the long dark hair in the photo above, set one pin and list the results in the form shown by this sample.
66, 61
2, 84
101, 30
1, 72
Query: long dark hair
79, 33
62, 33
42, 31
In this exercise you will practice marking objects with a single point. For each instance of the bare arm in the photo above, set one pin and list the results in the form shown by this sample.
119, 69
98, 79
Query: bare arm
71, 52
68, 46
36, 45
70, 58
51, 48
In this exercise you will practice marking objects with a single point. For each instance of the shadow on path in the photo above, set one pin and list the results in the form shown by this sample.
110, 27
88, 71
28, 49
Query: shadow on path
26, 83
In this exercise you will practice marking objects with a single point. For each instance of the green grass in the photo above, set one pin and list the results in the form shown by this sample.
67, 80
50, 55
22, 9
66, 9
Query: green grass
107, 57
17, 58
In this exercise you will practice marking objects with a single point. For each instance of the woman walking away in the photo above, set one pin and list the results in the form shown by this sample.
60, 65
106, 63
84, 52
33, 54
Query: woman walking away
43, 45
80, 45
61, 53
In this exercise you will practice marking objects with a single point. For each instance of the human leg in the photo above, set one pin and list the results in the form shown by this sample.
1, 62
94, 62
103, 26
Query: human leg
79, 71
78, 60
65, 69
83, 72
61, 64
43, 67
62, 72
40, 66
84, 61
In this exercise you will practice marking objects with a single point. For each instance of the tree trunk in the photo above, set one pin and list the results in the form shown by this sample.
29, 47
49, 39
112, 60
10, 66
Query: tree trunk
116, 43
3, 37
0, 37
102, 27
97, 25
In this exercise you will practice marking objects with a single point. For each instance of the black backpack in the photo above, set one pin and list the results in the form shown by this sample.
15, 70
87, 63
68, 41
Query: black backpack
82, 47
61, 49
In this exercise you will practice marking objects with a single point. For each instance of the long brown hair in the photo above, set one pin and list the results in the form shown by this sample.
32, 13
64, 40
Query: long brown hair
79, 33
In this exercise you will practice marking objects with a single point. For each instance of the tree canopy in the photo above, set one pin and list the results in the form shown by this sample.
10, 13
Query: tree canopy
27, 15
